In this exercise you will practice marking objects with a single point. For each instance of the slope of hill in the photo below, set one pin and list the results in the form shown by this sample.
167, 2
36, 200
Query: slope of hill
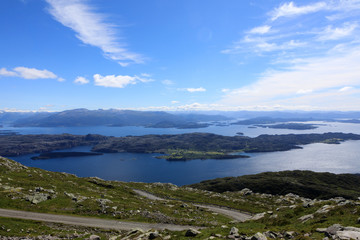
304, 183
65, 195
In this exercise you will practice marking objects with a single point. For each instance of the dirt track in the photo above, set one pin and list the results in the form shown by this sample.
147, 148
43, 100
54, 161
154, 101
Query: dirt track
232, 213
89, 222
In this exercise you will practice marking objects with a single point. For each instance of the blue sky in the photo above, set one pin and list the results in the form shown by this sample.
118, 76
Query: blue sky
180, 54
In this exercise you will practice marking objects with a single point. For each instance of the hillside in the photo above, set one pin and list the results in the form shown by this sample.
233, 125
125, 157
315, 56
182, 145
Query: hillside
304, 183
182, 208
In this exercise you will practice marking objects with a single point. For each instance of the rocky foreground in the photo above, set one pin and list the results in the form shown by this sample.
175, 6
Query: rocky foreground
287, 216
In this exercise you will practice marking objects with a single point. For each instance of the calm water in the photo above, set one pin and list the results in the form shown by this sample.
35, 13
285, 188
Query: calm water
230, 130
341, 158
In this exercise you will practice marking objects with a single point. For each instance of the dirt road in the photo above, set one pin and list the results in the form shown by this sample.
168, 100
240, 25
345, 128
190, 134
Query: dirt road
232, 213
89, 222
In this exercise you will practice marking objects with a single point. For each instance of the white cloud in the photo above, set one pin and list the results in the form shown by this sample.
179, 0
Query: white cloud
344, 89
331, 33
92, 29
30, 73
81, 80
174, 102
192, 90
4, 72
311, 82
167, 82
119, 81
260, 30
290, 9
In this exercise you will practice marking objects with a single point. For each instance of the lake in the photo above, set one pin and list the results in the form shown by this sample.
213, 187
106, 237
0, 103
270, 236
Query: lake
338, 158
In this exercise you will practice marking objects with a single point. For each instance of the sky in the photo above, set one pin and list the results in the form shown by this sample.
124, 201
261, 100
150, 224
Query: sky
179, 55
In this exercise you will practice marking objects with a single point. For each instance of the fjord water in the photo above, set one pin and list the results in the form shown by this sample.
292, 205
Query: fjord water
336, 158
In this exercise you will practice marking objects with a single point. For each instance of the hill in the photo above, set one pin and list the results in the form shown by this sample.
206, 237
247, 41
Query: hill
64, 196
304, 183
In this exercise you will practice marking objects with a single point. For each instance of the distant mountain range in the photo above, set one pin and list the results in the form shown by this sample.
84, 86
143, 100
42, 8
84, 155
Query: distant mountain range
161, 119
112, 117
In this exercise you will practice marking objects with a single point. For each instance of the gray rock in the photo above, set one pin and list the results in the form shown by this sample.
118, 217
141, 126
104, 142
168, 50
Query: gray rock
289, 234
333, 229
37, 198
234, 231
259, 236
324, 209
246, 192
94, 237
347, 235
192, 232
153, 235
258, 216
270, 234
306, 218
355, 229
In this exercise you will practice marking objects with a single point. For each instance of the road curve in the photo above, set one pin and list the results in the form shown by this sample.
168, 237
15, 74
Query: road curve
232, 213
88, 221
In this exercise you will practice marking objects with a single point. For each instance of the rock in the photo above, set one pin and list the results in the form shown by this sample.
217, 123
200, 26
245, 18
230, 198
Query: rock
352, 229
37, 198
347, 235
270, 234
258, 216
192, 232
245, 192
234, 231
94, 237
308, 204
333, 229
259, 236
113, 237
321, 230
71, 195
289, 234
324, 209
135, 230
306, 218
153, 235
358, 221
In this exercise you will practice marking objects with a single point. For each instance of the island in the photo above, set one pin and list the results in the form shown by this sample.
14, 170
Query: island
176, 146
292, 126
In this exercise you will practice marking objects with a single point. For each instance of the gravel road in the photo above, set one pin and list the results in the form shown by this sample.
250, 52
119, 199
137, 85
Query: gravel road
232, 213
89, 222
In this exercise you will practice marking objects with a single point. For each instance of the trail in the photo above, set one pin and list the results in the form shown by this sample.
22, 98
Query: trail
232, 213
89, 222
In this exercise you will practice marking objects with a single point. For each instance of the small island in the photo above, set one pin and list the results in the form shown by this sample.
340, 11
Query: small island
291, 126
184, 155
51, 155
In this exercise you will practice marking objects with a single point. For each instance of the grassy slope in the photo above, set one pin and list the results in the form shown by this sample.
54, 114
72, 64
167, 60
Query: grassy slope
17, 181
304, 183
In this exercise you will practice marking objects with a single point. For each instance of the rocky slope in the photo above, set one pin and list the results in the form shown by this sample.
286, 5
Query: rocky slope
287, 216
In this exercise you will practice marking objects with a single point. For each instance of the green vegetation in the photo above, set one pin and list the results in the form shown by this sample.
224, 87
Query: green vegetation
183, 155
304, 183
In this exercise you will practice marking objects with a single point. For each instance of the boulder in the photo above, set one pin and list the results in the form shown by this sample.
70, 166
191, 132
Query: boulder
234, 231
306, 218
333, 229
192, 232
347, 235
153, 235
94, 237
259, 236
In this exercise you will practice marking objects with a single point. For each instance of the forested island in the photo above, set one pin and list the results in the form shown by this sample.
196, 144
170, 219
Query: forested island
179, 146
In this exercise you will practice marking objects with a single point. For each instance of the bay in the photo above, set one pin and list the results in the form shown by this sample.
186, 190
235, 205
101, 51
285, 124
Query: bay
338, 158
